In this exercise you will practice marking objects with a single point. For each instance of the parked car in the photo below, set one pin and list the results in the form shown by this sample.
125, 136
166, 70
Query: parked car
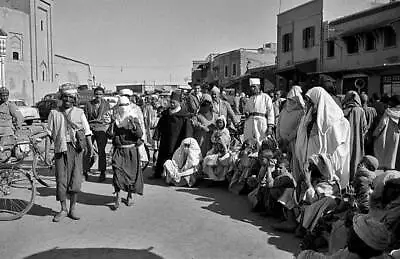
48, 102
30, 113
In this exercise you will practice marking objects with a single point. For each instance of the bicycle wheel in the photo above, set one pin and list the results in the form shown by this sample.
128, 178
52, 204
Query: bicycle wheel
17, 193
43, 166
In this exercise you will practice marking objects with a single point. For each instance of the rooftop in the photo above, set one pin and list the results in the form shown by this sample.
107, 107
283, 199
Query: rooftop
365, 13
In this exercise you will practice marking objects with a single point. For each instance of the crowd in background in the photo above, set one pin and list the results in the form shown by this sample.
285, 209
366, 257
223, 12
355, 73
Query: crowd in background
326, 165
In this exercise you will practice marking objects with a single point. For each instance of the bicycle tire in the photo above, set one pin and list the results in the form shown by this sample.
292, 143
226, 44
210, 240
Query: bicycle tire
43, 165
6, 181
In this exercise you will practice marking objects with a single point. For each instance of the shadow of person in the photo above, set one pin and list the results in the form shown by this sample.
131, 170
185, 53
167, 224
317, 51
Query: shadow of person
41, 211
83, 197
98, 253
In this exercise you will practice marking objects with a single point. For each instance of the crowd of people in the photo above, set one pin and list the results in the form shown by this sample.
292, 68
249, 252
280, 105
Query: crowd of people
324, 165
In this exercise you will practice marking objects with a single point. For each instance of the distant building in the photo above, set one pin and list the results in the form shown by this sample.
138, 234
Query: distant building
230, 69
361, 50
72, 71
299, 35
29, 63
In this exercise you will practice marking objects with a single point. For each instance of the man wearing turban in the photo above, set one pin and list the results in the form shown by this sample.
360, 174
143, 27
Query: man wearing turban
67, 125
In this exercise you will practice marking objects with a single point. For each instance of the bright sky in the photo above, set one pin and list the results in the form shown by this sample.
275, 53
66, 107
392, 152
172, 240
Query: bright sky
128, 41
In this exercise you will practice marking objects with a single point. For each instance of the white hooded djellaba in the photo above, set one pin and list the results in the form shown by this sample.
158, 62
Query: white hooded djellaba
181, 169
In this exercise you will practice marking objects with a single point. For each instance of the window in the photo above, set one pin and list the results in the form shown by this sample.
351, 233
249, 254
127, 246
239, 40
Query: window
287, 42
226, 71
370, 41
15, 55
234, 69
43, 69
41, 25
330, 48
309, 37
16, 46
391, 85
352, 45
389, 37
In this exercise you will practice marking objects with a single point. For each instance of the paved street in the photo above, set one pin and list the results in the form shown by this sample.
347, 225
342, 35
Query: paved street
167, 222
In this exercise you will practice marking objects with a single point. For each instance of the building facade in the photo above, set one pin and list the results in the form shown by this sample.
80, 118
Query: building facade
29, 69
231, 69
72, 71
362, 50
299, 35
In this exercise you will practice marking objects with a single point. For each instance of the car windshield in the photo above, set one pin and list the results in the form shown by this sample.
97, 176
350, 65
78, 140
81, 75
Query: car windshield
19, 103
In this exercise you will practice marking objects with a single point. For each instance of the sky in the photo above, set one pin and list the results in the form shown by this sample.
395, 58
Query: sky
132, 41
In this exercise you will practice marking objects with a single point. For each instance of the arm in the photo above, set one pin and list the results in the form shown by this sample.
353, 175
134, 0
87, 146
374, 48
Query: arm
88, 133
18, 119
231, 114
135, 127
270, 112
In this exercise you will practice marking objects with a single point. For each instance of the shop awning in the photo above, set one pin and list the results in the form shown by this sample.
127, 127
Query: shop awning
305, 67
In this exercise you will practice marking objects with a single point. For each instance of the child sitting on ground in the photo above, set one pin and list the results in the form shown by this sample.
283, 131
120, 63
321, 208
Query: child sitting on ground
221, 131
219, 160
247, 164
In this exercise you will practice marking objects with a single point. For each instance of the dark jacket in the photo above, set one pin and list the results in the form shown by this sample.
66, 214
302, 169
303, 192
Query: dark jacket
96, 116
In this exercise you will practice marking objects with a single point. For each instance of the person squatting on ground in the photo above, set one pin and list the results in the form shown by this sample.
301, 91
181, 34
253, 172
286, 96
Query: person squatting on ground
126, 135
69, 129
182, 168
98, 114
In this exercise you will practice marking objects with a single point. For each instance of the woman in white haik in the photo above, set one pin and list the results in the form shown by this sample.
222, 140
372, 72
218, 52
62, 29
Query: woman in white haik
126, 135
184, 164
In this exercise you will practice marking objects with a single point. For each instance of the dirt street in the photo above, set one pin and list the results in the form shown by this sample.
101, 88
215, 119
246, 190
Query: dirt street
167, 222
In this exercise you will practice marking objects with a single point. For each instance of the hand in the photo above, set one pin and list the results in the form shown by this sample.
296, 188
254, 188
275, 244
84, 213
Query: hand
269, 131
91, 150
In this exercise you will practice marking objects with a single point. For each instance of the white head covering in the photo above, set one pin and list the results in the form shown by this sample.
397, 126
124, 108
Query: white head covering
68, 89
255, 81
215, 90
193, 157
127, 92
124, 112
295, 94
328, 112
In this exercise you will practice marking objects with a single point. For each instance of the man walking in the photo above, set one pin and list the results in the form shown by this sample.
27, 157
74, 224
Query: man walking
259, 112
69, 130
97, 112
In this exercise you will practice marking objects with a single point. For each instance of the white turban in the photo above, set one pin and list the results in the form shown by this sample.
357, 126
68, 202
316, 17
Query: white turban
125, 91
68, 89
255, 81
215, 90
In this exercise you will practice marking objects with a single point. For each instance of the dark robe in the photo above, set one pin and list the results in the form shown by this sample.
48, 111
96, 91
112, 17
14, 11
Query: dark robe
171, 130
128, 174
372, 121
358, 128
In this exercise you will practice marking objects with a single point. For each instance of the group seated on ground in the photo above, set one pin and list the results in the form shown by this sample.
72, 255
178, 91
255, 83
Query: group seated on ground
316, 208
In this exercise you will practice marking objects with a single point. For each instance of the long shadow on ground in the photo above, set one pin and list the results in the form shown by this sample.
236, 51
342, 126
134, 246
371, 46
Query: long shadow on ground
83, 197
237, 207
98, 253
